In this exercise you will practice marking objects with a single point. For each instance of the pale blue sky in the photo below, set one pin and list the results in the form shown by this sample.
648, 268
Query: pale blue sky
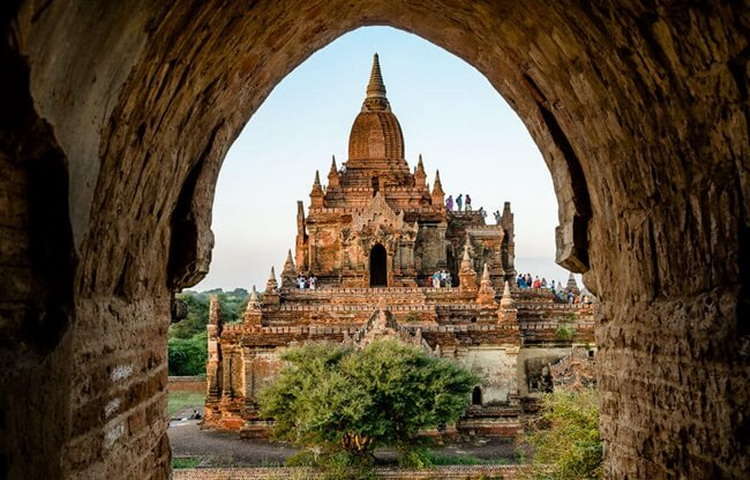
448, 112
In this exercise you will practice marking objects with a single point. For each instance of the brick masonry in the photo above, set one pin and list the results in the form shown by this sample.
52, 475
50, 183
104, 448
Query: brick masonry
640, 110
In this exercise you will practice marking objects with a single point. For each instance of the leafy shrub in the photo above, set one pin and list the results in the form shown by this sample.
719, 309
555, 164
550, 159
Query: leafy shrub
565, 333
342, 403
565, 441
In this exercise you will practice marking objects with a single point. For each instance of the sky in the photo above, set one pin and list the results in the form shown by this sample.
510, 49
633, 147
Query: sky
448, 112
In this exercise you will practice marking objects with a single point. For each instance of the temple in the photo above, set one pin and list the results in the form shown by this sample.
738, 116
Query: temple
373, 237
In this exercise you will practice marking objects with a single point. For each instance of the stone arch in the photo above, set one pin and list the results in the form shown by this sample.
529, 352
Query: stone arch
641, 114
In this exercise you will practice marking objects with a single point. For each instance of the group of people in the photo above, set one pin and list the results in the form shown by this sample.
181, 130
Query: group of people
304, 282
563, 294
525, 280
442, 278
462, 203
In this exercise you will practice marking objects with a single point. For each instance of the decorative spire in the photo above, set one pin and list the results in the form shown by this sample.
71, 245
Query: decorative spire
253, 312
333, 174
467, 275
253, 296
466, 259
486, 294
376, 87
420, 176
572, 285
333, 164
438, 195
253, 304
437, 187
271, 282
316, 195
376, 99
507, 300
289, 273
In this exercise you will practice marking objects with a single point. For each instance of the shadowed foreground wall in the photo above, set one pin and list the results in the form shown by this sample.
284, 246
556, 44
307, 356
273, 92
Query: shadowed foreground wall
115, 119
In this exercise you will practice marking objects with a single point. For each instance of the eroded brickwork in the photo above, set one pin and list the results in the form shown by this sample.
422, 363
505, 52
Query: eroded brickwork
641, 112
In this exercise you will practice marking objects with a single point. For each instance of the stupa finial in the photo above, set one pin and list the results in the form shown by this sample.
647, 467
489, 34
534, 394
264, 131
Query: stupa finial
375, 100
376, 87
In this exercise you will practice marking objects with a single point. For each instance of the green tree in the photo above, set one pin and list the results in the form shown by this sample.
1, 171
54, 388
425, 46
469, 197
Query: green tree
187, 338
564, 441
232, 306
345, 402
187, 356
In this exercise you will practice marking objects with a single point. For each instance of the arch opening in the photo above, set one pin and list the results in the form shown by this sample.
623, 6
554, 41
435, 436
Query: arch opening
476, 396
378, 266
573, 63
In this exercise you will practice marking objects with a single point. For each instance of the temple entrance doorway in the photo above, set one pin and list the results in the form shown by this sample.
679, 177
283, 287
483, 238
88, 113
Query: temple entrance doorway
378, 267
476, 396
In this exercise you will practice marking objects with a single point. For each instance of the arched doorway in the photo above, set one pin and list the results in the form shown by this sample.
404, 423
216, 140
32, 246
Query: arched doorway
378, 266
476, 396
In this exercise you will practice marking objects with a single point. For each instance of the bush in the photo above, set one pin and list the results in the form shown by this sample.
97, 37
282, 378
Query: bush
343, 403
565, 333
565, 441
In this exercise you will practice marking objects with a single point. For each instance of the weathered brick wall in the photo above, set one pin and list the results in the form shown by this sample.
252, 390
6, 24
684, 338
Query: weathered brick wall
187, 383
641, 112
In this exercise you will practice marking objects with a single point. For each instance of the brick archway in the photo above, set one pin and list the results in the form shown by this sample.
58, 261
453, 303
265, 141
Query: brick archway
118, 117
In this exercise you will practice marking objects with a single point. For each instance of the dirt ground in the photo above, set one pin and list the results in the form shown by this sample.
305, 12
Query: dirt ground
223, 449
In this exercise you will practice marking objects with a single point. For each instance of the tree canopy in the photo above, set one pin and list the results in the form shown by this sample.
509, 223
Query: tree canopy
187, 346
341, 399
